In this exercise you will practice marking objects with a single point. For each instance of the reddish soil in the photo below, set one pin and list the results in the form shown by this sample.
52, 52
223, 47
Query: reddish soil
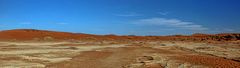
88, 59
214, 62
39, 35
31, 34
108, 58
118, 57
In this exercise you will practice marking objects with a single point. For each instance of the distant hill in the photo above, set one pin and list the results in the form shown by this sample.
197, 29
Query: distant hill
32, 34
199, 34
45, 35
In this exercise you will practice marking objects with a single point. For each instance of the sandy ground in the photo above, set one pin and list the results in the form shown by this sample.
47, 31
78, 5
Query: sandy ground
162, 54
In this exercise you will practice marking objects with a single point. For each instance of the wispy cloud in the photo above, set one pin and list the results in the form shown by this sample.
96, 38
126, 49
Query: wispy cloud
224, 30
62, 23
131, 14
25, 23
163, 13
1, 25
228, 30
172, 23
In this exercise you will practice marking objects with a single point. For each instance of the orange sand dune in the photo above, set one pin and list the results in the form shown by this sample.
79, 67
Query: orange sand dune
32, 34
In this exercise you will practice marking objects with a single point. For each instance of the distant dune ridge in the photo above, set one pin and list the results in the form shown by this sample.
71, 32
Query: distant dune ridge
30, 34
45, 35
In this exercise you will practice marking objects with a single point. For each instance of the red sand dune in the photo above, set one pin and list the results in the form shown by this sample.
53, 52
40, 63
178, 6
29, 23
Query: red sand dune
32, 34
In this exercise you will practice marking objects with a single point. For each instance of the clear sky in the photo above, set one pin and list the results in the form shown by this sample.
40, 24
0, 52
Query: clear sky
122, 17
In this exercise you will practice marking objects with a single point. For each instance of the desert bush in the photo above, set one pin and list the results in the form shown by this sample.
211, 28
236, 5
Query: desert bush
48, 38
163, 44
74, 48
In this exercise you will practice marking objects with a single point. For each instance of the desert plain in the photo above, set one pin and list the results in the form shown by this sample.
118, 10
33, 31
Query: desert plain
29, 48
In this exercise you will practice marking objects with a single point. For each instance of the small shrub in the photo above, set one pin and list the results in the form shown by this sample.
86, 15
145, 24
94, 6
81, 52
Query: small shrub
74, 48
163, 45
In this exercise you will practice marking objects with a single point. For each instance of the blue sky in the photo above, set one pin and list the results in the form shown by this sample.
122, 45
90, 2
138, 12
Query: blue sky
122, 17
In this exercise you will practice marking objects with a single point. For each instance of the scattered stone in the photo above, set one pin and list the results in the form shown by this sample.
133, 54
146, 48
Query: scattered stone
135, 65
144, 59
152, 65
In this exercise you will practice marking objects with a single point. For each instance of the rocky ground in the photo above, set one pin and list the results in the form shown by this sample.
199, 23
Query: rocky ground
138, 54
29, 48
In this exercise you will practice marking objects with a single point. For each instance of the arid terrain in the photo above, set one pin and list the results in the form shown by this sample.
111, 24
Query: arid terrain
28, 48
